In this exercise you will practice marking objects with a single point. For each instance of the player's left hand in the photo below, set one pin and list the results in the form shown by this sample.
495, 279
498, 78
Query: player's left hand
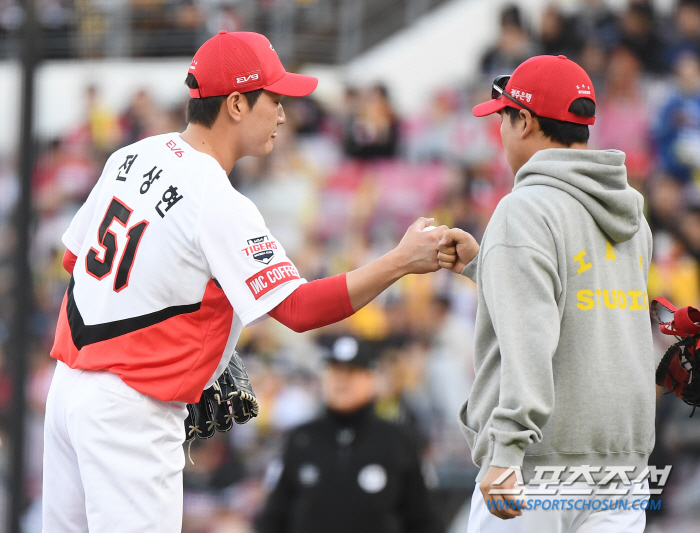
418, 250
503, 504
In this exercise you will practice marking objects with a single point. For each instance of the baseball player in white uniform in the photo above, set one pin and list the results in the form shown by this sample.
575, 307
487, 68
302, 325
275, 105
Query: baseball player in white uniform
169, 262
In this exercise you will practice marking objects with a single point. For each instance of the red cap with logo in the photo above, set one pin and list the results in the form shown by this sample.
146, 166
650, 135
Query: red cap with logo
546, 85
244, 61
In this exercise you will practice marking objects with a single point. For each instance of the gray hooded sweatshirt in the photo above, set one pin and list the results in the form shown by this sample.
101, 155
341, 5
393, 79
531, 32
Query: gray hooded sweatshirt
563, 358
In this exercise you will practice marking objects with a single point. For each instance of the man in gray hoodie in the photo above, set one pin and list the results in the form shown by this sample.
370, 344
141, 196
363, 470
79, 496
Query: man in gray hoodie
563, 358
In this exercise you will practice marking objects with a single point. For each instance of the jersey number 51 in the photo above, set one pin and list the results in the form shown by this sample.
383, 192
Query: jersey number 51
107, 239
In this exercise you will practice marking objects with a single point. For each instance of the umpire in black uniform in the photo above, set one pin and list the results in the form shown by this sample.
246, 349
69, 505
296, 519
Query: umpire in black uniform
349, 471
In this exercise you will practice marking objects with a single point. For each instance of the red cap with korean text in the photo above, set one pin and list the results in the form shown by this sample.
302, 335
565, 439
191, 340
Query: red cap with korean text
244, 61
545, 85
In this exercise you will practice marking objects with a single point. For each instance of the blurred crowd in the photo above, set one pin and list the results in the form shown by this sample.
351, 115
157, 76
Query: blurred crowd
88, 28
322, 31
340, 188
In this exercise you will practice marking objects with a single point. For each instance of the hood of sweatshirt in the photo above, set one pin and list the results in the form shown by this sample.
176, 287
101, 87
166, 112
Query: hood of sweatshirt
596, 178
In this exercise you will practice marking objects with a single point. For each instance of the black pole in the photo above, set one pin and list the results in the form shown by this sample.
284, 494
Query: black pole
19, 345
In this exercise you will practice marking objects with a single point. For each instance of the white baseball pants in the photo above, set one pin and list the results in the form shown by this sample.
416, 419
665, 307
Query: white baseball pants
583, 520
113, 457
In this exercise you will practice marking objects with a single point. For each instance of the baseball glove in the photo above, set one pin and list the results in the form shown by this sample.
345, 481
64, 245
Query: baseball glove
679, 369
230, 399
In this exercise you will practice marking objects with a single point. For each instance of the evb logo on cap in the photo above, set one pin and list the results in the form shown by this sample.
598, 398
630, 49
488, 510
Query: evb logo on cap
247, 78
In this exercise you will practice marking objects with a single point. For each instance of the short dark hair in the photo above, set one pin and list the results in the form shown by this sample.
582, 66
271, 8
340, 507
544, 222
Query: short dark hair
204, 111
566, 133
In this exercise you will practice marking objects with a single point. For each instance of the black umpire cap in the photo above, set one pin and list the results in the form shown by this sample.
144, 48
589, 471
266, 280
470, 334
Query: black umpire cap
348, 350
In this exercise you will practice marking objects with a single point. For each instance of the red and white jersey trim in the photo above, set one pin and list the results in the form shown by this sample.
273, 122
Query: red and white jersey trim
168, 359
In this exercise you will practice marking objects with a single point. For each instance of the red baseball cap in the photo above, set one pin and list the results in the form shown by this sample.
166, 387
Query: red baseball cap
547, 86
244, 61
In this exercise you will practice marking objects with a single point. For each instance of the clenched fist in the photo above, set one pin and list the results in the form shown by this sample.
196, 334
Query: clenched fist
456, 249
418, 250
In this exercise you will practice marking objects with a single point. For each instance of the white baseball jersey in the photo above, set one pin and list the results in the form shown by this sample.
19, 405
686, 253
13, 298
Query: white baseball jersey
172, 262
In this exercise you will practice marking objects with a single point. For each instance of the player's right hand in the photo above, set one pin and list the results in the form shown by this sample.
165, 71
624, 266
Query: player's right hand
418, 250
456, 249
504, 506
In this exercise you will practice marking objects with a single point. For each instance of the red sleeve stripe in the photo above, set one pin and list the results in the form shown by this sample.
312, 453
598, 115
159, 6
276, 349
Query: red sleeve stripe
315, 304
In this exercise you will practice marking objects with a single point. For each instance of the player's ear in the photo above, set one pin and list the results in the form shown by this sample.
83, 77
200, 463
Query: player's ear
528, 124
236, 105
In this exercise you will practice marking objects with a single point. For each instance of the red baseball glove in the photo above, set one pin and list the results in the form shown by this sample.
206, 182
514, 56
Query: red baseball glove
679, 369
